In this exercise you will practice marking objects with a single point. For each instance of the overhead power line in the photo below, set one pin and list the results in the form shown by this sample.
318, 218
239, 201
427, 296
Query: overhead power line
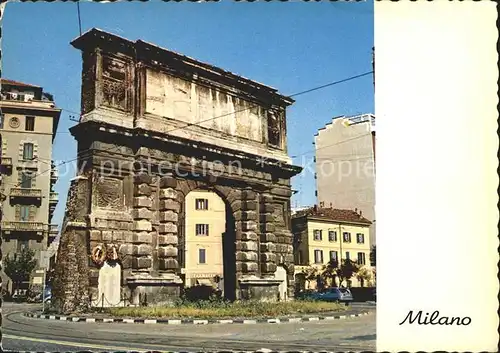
79, 154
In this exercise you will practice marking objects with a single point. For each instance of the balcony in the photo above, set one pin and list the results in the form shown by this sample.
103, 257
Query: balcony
53, 199
6, 162
26, 193
21, 226
27, 164
53, 230
54, 175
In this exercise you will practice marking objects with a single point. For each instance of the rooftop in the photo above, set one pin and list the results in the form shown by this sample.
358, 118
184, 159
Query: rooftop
349, 120
333, 214
17, 83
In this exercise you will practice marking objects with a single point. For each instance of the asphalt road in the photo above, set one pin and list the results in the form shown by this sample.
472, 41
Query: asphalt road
20, 333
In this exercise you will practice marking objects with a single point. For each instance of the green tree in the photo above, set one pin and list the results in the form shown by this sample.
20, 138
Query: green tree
329, 272
373, 256
20, 266
310, 274
347, 269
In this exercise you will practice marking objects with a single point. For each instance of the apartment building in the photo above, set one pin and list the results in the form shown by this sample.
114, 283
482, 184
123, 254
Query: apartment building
205, 224
324, 234
28, 124
345, 165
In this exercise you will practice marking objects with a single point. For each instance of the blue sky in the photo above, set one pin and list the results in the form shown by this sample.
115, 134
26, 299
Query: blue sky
290, 46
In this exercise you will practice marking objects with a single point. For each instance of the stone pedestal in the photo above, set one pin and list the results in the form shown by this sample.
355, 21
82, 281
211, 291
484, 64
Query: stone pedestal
263, 289
154, 291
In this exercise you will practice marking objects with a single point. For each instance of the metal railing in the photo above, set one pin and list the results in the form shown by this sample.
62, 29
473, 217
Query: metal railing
23, 226
26, 192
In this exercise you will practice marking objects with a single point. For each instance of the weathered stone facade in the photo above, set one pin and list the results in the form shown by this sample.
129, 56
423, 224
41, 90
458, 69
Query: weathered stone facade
142, 159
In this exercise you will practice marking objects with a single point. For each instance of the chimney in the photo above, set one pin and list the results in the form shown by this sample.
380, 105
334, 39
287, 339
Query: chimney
356, 210
331, 205
315, 208
360, 213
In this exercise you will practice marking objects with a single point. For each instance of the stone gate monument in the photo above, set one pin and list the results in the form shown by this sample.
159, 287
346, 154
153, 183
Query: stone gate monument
156, 125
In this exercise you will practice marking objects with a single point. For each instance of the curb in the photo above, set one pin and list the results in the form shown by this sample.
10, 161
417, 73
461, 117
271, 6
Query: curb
192, 321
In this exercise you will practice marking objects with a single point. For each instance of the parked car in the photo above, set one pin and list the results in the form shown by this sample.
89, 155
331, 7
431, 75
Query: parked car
306, 295
335, 294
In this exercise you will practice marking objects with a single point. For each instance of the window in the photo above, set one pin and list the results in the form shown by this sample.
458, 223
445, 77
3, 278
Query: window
360, 237
28, 151
21, 244
347, 237
317, 234
318, 256
26, 181
201, 204
24, 213
332, 235
347, 255
30, 123
202, 256
301, 257
361, 258
1, 120
202, 229
333, 255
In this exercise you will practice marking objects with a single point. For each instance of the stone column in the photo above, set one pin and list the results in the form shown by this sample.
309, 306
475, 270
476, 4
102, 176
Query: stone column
246, 234
142, 231
267, 237
169, 208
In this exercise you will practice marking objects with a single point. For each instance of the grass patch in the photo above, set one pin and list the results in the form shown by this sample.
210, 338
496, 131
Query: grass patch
222, 310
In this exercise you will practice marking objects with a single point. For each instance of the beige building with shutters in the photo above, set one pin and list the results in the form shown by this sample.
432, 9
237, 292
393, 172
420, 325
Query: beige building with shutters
205, 225
324, 234
28, 125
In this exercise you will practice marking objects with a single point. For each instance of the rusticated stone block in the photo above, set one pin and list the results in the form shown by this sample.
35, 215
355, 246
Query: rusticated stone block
237, 205
169, 239
248, 195
168, 216
142, 190
117, 235
141, 262
267, 237
95, 235
266, 217
245, 216
268, 227
249, 267
127, 262
168, 204
143, 250
267, 247
267, 198
168, 264
168, 193
268, 257
267, 208
107, 235
234, 195
290, 269
247, 236
167, 228
289, 249
126, 249
288, 240
249, 245
246, 256
168, 182
249, 226
143, 178
288, 258
128, 236
143, 237
281, 192
167, 251
142, 213
143, 201
143, 225
268, 267
280, 240
251, 205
